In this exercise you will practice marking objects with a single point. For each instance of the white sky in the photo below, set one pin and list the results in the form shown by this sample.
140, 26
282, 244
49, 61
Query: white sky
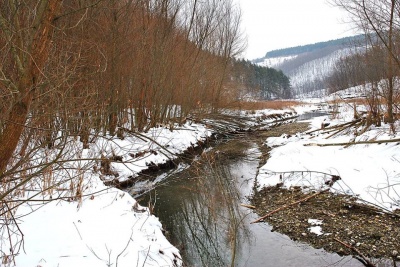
275, 24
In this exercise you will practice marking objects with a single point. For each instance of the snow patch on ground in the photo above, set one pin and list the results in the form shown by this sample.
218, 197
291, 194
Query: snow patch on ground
107, 228
315, 226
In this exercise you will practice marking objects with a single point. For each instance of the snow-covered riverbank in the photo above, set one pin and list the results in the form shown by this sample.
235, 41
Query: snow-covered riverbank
368, 171
81, 222
106, 227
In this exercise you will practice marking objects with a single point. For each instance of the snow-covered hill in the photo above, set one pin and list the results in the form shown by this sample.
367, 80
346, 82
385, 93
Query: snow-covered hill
276, 62
308, 66
310, 76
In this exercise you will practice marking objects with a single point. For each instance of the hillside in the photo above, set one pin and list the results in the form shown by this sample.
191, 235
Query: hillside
307, 66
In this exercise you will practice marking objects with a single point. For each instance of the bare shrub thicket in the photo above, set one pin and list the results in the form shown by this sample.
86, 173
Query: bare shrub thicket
365, 69
380, 20
72, 69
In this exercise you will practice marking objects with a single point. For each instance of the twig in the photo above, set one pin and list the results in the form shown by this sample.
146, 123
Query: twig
142, 136
77, 230
334, 177
289, 205
147, 255
127, 244
365, 260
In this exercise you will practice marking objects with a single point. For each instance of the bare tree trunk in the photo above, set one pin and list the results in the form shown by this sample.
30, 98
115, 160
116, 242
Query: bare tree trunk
30, 68
390, 69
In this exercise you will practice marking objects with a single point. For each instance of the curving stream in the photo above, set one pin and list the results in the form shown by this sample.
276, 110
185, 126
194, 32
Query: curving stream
200, 209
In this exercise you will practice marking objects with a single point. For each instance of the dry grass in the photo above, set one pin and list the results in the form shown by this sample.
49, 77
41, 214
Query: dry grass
273, 104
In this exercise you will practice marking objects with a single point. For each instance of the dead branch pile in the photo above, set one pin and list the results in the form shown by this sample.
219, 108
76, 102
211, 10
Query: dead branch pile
357, 127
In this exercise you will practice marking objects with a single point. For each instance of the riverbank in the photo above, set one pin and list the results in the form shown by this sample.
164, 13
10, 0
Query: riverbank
201, 210
79, 221
326, 219
358, 213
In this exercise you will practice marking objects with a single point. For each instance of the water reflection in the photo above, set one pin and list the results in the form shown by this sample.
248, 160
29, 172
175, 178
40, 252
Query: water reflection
311, 115
200, 209
208, 224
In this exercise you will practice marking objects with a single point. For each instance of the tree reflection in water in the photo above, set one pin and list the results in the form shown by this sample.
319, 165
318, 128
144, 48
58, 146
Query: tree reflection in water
210, 222
200, 210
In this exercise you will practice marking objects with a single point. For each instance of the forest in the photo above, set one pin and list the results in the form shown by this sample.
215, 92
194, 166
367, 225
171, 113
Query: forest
263, 82
313, 47
70, 68
75, 70
79, 66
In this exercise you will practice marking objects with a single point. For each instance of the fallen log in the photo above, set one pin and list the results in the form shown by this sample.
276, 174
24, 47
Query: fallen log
357, 143
341, 129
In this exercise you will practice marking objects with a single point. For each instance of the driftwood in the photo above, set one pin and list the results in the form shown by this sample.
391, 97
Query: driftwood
343, 125
289, 205
341, 129
357, 143
363, 259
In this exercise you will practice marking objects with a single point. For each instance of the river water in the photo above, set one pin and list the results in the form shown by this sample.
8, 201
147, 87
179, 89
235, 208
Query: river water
200, 209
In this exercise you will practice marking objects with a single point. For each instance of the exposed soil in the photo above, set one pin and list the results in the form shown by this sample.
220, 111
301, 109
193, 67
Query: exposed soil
369, 231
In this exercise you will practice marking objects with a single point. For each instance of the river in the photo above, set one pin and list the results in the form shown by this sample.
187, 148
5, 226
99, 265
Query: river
200, 209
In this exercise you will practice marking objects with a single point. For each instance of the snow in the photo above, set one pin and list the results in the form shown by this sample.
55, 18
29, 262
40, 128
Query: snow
316, 230
275, 62
168, 144
108, 228
104, 231
316, 226
367, 171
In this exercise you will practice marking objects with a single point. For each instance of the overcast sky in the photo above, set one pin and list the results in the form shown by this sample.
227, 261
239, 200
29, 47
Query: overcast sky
275, 24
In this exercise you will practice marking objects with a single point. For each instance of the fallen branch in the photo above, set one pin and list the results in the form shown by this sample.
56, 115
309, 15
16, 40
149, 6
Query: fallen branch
289, 205
248, 206
344, 128
334, 177
363, 259
357, 143
146, 139
335, 126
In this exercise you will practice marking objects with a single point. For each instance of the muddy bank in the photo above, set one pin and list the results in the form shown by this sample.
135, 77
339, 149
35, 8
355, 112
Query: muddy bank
373, 233
369, 231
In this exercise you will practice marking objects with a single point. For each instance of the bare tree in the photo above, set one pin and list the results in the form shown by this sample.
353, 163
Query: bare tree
26, 31
78, 69
380, 18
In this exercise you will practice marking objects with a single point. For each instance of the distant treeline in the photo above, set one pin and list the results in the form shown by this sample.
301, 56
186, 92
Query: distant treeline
312, 47
267, 83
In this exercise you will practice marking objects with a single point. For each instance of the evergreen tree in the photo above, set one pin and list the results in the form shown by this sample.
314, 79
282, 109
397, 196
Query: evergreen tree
270, 83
